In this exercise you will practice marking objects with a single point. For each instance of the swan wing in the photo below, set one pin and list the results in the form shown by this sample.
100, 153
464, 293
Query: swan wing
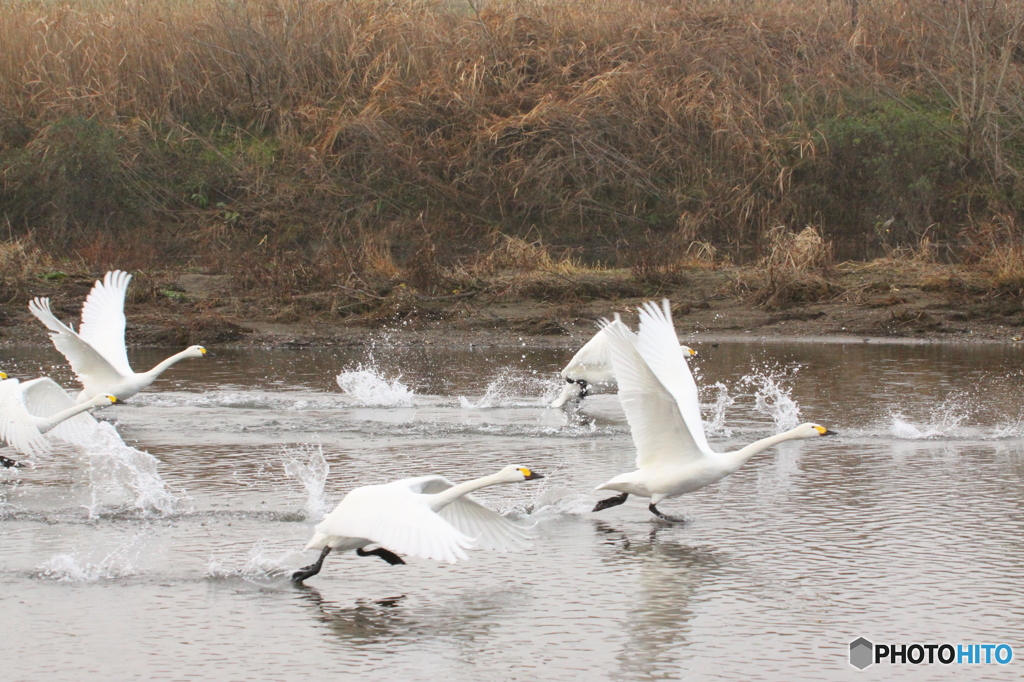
594, 353
17, 427
488, 528
660, 432
92, 369
659, 346
103, 321
593, 362
398, 519
44, 398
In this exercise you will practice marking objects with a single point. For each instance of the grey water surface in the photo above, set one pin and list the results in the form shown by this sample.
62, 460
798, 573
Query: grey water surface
166, 557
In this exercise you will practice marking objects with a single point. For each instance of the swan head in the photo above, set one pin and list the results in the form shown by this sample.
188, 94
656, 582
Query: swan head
811, 430
517, 474
687, 351
195, 352
106, 399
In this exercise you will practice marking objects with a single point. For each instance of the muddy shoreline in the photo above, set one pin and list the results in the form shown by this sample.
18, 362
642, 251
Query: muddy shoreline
873, 304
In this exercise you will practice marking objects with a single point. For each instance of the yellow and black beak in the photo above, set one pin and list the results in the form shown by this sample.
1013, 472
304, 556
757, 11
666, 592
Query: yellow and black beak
825, 432
530, 475
3, 375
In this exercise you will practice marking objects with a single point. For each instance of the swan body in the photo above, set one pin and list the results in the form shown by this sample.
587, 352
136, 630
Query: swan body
30, 409
429, 517
592, 365
659, 396
97, 352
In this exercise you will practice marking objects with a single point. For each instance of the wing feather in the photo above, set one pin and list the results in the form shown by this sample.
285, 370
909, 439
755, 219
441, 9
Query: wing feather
489, 529
91, 368
593, 362
44, 398
17, 427
103, 321
660, 432
398, 519
659, 346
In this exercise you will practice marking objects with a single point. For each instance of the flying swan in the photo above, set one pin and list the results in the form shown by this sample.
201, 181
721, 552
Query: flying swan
30, 409
97, 351
429, 517
659, 396
592, 365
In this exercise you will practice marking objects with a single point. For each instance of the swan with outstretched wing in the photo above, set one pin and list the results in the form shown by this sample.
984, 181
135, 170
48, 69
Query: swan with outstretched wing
97, 352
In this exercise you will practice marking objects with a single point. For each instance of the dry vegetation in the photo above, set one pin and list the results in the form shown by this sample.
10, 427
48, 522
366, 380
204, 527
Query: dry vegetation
333, 155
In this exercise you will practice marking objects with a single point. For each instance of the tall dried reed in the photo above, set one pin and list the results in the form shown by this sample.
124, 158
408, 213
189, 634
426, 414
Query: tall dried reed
198, 130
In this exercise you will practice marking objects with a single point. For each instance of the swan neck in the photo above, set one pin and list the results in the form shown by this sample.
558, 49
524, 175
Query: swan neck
48, 423
159, 369
446, 497
739, 457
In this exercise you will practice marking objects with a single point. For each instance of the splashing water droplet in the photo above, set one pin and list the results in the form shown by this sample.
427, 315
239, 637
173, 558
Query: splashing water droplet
513, 388
312, 474
772, 398
117, 470
119, 563
369, 388
715, 424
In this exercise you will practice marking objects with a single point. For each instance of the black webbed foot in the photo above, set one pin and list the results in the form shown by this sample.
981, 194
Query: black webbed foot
665, 517
311, 570
7, 462
384, 554
611, 502
584, 388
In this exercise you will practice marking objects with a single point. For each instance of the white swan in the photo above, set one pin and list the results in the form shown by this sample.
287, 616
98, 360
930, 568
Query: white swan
97, 351
30, 409
592, 365
659, 396
429, 517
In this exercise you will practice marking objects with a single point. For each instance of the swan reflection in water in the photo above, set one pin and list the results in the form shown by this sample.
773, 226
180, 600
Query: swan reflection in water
393, 622
668, 576
365, 622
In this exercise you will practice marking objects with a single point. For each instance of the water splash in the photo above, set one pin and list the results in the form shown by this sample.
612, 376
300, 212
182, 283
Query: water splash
119, 563
250, 400
369, 388
561, 501
514, 388
715, 424
312, 474
773, 398
260, 563
118, 471
943, 421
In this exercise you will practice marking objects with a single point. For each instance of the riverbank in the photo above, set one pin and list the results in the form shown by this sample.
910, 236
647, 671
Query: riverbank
881, 301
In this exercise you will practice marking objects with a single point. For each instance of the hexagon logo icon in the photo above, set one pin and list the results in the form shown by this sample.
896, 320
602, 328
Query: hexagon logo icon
861, 653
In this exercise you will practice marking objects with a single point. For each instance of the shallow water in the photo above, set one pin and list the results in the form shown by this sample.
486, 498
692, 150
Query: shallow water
907, 527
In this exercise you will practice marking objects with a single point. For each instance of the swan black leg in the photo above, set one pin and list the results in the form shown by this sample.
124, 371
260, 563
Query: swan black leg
7, 462
384, 554
611, 502
665, 517
584, 388
311, 570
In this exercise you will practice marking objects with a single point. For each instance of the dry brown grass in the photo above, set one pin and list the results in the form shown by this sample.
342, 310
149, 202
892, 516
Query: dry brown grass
311, 144
794, 269
998, 255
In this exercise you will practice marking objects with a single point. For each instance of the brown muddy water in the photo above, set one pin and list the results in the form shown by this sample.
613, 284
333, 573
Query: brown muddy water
165, 557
